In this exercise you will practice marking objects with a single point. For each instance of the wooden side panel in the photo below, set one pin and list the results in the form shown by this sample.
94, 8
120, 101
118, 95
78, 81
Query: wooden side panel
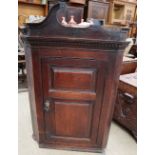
30, 79
109, 96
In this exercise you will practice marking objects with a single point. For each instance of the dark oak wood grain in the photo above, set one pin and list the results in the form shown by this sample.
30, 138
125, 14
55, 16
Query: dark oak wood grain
73, 77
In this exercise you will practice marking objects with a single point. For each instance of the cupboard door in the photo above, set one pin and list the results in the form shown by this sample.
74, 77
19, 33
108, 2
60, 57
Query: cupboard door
73, 90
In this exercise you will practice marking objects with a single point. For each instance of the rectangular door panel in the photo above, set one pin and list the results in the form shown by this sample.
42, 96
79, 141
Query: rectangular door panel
78, 118
74, 89
73, 78
69, 120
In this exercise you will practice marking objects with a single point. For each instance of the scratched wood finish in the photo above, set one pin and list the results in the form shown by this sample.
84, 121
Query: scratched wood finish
73, 77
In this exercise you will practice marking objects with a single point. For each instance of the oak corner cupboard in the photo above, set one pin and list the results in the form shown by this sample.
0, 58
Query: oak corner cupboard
73, 76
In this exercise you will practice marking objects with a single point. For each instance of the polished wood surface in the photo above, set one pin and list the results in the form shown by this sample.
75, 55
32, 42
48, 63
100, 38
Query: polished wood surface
73, 77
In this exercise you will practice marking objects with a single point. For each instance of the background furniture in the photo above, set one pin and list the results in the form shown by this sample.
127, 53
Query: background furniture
98, 10
133, 50
129, 65
78, 1
26, 8
125, 112
73, 81
121, 12
21, 66
21, 59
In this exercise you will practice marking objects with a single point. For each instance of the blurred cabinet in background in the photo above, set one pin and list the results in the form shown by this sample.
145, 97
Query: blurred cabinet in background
27, 8
122, 12
98, 9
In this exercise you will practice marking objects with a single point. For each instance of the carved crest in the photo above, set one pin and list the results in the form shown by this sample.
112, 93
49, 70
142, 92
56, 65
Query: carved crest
54, 30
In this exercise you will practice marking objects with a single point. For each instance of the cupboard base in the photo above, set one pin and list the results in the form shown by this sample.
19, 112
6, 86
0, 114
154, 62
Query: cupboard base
71, 148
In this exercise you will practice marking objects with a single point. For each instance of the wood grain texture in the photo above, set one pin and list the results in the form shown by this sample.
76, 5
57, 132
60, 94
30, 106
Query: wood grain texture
73, 81
75, 78
77, 116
